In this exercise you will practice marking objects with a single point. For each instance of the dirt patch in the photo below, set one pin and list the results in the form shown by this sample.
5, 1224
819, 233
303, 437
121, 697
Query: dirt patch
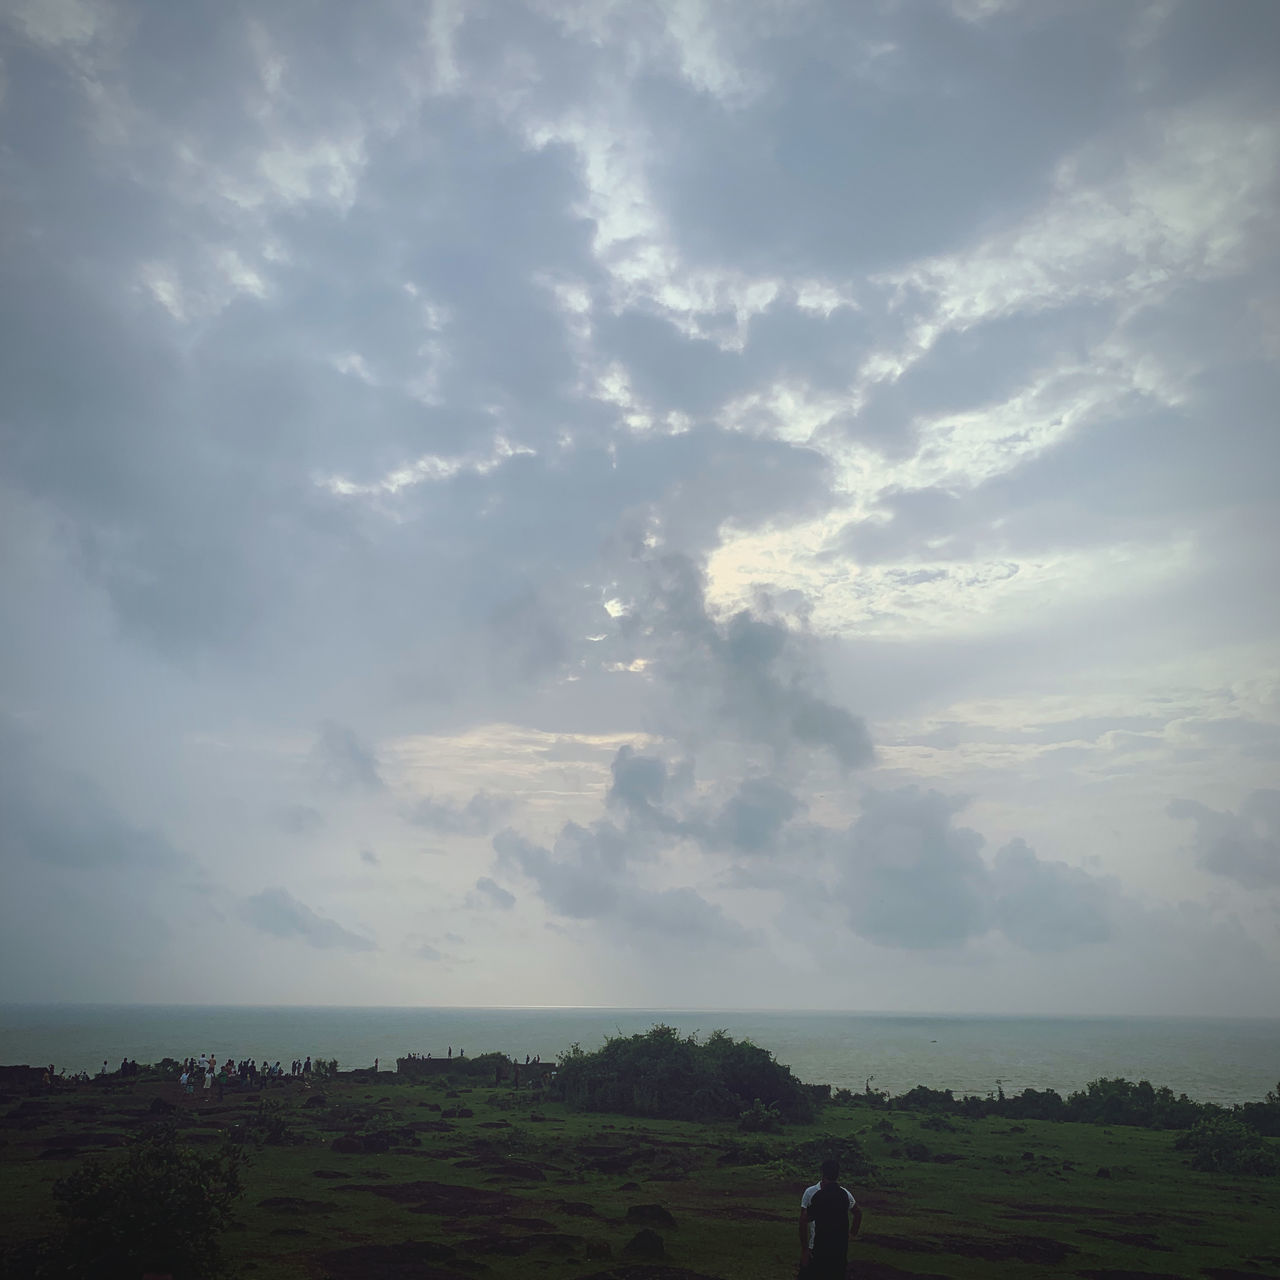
528, 1224
887, 1271
409, 1260
641, 1272
297, 1205
742, 1213
556, 1242
1135, 1239
1033, 1249
329, 1173
518, 1171
1030, 1210
440, 1197
1229, 1273
1105, 1274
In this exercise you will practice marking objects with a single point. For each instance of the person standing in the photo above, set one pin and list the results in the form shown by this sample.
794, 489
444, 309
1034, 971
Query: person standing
829, 1219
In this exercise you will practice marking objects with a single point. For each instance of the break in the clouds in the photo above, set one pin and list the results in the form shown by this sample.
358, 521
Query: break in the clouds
684, 502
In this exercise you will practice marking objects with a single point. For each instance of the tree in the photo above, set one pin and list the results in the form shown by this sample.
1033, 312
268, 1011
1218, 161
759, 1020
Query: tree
661, 1073
163, 1206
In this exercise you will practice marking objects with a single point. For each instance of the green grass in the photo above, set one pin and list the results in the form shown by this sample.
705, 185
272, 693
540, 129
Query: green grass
1022, 1199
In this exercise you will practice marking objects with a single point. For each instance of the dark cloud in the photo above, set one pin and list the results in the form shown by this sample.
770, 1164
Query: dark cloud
911, 878
753, 673
63, 819
1049, 906
481, 813
342, 761
301, 819
754, 815
494, 894
1244, 846
369, 858
277, 912
589, 875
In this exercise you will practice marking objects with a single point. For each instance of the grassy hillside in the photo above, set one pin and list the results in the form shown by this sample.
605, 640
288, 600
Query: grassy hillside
456, 1178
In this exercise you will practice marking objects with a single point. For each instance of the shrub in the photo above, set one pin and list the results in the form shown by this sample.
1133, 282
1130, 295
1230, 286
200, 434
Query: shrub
807, 1157
324, 1068
163, 1207
758, 1118
270, 1125
1219, 1144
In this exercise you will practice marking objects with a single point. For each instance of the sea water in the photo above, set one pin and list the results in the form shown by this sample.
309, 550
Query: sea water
1222, 1060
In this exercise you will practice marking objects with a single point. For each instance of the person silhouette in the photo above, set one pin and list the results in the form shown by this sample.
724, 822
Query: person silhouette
829, 1219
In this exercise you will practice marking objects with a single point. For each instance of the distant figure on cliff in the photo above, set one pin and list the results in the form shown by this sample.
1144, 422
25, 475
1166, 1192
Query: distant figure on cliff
451, 1051
829, 1218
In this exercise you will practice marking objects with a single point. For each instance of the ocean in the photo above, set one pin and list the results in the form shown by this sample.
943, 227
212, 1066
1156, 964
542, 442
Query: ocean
1222, 1060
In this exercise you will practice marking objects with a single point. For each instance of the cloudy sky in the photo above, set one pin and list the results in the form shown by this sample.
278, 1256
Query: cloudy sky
691, 504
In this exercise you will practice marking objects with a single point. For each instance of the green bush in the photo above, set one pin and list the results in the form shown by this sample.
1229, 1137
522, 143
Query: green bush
806, 1158
759, 1118
662, 1074
1220, 1144
163, 1207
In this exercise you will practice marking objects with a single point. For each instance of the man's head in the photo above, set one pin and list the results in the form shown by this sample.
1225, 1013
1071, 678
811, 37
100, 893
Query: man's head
831, 1170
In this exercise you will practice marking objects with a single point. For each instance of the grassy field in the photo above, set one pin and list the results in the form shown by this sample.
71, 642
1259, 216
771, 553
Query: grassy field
486, 1181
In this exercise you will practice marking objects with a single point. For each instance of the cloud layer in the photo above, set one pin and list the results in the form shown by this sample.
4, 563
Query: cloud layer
609, 500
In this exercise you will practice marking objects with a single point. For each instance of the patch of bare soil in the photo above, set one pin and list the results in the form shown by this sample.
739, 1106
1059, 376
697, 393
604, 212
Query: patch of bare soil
297, 1205
887, 1271
1230, 1273
641, 1272
1135, 1239
1107, 1274
440, 1197
1032, 1211
528, 1224
556, 1242
408, 1260
1033, 1249
742, 1213
63, 1146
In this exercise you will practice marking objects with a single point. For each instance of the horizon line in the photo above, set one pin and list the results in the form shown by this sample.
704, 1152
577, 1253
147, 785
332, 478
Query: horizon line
659, 1009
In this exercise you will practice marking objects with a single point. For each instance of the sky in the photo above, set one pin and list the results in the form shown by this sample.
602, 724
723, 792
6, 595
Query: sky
666, 505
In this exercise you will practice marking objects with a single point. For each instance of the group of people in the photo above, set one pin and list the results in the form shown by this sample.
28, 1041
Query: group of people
204, 1072
426, 1057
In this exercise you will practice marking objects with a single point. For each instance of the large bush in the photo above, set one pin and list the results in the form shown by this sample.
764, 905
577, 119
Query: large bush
1220, 1144
162, 1208
660, 1073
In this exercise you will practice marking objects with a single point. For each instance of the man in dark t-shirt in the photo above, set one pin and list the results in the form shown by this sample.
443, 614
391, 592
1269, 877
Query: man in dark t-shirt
829, 1217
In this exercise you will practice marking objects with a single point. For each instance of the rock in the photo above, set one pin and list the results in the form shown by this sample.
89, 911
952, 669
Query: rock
316, 1100
650, 1215
646, 1243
